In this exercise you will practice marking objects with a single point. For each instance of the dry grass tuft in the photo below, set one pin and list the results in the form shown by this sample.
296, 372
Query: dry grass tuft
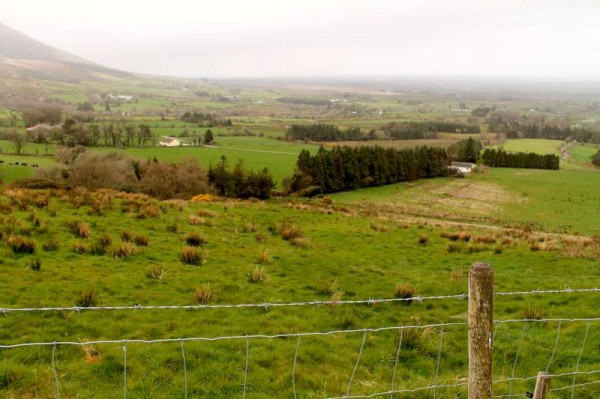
381, 228
203, 295
123, 251
258, 275
405, 291
87, 298
194, 239
264, 258
155, 272
191, 256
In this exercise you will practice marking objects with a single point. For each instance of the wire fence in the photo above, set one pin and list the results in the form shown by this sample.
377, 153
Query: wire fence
575, 368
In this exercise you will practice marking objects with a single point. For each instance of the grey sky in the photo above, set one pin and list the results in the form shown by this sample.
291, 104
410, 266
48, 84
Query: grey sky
238, 38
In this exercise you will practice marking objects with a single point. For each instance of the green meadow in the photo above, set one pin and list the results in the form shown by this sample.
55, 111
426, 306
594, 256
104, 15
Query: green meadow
112, 249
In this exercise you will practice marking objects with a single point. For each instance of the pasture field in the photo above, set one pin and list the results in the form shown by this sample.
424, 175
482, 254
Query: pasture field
334, 251
583, 153
255, 152
539, 146
558, 201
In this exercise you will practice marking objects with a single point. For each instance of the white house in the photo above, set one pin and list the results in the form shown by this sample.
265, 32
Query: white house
169, 142
463, 167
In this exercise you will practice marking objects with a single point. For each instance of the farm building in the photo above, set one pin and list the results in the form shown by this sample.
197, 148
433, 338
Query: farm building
463, 167
169, 142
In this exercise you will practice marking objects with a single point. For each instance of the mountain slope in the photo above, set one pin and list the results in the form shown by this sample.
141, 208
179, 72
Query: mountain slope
14, 44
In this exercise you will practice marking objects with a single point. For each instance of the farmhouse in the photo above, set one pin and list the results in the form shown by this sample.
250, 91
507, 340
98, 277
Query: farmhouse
169, 142
463, 167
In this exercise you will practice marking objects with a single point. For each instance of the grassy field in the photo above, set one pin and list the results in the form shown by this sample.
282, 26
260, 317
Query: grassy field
338, 253
539, 146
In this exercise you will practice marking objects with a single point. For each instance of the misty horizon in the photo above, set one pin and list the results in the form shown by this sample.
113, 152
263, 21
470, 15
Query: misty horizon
267, 39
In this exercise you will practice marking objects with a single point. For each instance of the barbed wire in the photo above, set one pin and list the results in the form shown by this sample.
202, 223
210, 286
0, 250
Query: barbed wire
229, 337
266, 305
374, 395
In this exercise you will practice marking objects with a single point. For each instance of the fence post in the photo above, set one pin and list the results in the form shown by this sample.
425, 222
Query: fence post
542, 386
481, 306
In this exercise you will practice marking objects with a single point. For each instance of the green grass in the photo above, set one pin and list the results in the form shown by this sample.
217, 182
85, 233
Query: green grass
539, 146
560, 201
583, 153
363, 261
256, 153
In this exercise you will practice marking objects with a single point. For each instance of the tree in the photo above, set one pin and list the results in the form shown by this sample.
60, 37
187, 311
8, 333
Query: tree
596, 159
208, 137
17, 139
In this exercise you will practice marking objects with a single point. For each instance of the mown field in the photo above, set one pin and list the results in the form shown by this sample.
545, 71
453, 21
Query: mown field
115, 249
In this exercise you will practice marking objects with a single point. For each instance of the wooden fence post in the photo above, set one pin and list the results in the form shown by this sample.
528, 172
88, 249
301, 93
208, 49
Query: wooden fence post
542, 386
481, 323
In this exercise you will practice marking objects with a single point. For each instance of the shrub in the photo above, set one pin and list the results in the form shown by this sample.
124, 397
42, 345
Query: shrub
191, 256
404, 291
21, 245
155, 272
258, 275
194, 239
34, 264
140, 240
124, 250
203, 295
87, 299
51, 245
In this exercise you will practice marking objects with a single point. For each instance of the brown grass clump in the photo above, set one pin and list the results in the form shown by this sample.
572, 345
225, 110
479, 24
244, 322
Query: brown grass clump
410, 337
124, 250
423, 240
127, 236
405, 291
203, 295
79, 229
289, 231
51, 245
207, 213
258, 275
149, 211
34, 264
155, 272
498, 249
86, 299
485, 239
20, 245
329, 288
582, 247
457, 275
79, 247
191, 256
264, 258
92, 356
141, 240
335, 298
301, 242
381, 228
196, 220
194, 239
532, 313
453, 248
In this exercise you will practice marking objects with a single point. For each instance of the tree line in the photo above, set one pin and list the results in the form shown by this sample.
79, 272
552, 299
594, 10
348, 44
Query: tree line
205, 119
348, 168
392, 130
503, 159
541, 130
322, 132
160, 179
422, 130
238, 183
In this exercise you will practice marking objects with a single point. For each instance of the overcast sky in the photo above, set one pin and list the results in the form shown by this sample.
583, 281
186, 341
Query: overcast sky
263, 38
